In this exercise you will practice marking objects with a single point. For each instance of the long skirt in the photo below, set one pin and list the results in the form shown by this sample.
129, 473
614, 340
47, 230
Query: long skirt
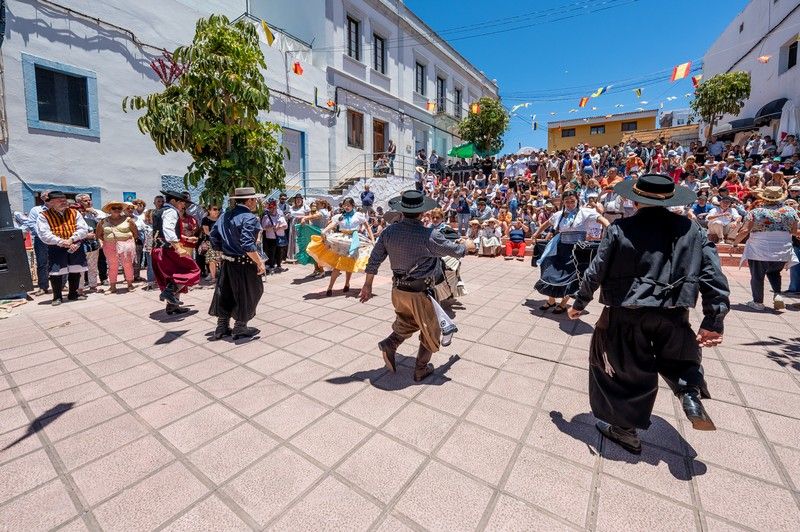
334, 252
62, 262
304, 234
171, 267
562, 272
238, 290
630, 348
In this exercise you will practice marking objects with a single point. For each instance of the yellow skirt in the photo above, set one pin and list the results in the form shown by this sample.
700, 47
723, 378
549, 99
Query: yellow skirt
332, 252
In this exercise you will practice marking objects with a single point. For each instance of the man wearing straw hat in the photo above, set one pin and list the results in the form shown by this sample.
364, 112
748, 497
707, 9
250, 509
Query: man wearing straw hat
651, 268
414, 252
239, 285
172, 261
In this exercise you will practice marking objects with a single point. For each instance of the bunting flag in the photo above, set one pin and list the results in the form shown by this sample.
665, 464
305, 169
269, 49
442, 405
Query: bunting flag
535, 125
553, 113
474, 108
640, 108
267, 33
600, 91
297, 69
609, 116
681, 71
644, 102
764, 58
331, 104
661, 105
687, 95
670, 98
619, 105
594, 108
583, 102
571, 111
518, 106
638, 92
696, 80
430, 106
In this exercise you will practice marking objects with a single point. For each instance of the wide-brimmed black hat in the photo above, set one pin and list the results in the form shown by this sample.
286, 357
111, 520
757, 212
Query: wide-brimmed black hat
412, 201
174, 194
655, 189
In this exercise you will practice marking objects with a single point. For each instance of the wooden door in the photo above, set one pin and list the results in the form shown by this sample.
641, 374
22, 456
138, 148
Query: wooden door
378, 138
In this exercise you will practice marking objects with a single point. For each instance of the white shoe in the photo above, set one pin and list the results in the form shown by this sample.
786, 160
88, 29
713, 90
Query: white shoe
755, 306
777, 302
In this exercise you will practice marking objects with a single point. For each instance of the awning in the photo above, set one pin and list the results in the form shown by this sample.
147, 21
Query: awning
734, 126
770, 111
464, 151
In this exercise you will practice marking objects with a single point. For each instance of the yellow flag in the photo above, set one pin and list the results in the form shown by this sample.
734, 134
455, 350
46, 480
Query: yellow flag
267, 33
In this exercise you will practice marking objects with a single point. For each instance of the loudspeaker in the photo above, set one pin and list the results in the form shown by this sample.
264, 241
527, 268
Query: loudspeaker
15, 272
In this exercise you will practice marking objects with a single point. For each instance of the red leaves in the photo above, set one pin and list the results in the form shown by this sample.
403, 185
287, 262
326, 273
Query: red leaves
167, 70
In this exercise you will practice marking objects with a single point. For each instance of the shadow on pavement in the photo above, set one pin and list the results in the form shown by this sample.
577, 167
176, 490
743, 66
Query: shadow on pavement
161, 316
383, 380
169, 337
787, 353
581, 427
42, 421
573, 327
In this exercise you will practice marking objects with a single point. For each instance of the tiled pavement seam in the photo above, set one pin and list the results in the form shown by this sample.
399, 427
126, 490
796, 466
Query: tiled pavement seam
543, 393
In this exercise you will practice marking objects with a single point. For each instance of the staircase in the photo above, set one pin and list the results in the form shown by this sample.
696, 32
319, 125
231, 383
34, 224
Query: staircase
730, 257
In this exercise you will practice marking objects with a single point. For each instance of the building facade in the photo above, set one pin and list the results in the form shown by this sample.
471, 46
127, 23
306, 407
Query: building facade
597, 130
762, 40
369, 71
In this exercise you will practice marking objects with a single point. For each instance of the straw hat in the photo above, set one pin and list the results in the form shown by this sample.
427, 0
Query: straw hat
772, 194
245, 193
474, 222
111, 204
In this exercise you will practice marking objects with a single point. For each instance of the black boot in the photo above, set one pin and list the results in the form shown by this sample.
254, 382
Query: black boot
57, 283
223, 327
388, 348
169, 294
422, 369
625, 438
241, 330
74, 281
693, 408
176, 309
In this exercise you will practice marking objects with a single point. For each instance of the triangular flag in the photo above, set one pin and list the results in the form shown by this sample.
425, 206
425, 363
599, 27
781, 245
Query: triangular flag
644, 102
583, 102
431, 106
638, 92
696, 80
571, 111
600, 91
267, 33
764, 58
553, 113
687, 95
594, 108
681, 71
331, 104
535, 126
619, 105
661, 105
297, 69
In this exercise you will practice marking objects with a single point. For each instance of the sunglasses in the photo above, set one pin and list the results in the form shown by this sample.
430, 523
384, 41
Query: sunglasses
116, 208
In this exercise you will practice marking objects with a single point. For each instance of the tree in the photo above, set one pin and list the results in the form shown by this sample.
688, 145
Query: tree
720, 95
486, 127
209, 108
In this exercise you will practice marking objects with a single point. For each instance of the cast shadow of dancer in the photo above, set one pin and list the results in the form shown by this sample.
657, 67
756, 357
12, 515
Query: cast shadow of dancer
581, 428
787, 352
383, 380
41, 422
572, 327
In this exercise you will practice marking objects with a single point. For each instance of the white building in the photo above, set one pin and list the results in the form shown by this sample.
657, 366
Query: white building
67, 65
767, 29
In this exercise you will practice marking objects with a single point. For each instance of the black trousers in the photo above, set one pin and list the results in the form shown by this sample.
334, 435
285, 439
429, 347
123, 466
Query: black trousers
273, 252
640, 344
237, 293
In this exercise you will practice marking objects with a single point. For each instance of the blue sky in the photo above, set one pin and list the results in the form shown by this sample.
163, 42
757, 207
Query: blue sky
555, 51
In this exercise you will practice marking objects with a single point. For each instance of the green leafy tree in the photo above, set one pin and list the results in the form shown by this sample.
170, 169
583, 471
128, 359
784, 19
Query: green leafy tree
486, 127
720, 95
209, 108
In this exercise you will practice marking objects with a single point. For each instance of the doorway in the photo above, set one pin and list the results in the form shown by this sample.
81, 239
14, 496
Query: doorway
378, 139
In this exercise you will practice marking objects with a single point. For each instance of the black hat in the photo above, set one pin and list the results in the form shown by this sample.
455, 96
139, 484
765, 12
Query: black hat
172, 194
412, 201
55, 194
449, 233
655, 189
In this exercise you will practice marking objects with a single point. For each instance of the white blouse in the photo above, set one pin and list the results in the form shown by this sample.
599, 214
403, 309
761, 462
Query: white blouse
581, 222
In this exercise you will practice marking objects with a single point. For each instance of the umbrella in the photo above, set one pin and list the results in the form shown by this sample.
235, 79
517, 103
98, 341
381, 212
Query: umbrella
790, 119
527, 150
464, 151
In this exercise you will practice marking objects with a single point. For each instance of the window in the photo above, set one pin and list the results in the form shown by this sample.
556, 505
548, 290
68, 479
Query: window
379, 53
355, 129
354, 38
568, 132
458, 103
792, 59
597, 130
419, 85
60, 97
629, 126
441, 94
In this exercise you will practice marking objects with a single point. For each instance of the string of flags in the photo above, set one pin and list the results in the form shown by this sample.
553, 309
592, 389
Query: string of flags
681, 71
696, 80
519, 106
583, 102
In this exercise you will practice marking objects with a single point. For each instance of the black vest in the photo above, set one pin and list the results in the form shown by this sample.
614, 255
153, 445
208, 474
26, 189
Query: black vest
158, 227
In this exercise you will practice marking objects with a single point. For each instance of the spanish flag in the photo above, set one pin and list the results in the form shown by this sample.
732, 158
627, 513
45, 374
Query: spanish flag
430, 106
696, 80
297, 69
475, 108
681, 71
267, 33
583, 102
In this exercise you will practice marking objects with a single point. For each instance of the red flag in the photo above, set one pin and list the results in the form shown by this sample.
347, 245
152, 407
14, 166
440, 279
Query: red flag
583, 102
696, 80
681, 71
297, 69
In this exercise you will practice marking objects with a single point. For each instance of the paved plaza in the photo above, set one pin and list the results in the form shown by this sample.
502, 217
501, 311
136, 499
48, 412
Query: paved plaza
115, 416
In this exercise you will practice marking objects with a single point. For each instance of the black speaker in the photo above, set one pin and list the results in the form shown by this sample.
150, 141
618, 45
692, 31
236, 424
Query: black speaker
15, 272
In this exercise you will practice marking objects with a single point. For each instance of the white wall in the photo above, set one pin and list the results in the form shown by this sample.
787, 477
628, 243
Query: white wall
780, 22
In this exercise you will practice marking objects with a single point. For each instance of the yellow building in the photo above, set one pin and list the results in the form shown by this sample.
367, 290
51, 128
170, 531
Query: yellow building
597, 130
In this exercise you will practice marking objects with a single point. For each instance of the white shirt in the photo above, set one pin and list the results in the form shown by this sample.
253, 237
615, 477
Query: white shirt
351, 224
46, 235
581, 222
169, 220
33, 218
731, 215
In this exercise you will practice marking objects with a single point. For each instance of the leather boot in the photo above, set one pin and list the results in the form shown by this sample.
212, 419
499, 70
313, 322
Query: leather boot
388, 348
223, 327
423, 369
625, 438
241, 330
175, 309
169, 294
693, 408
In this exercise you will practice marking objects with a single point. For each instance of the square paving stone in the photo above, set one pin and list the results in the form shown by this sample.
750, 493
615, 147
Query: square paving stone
173, 406
258, 397
501, 415
42, 509
420, 426
616, 499
373, 406
290, 415
210, 514
512, 514
232, 452
330, 438
99, 440
196, 428
478, 452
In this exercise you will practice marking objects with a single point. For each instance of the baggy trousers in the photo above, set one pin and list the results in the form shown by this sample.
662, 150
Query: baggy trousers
414, 312
640, 344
